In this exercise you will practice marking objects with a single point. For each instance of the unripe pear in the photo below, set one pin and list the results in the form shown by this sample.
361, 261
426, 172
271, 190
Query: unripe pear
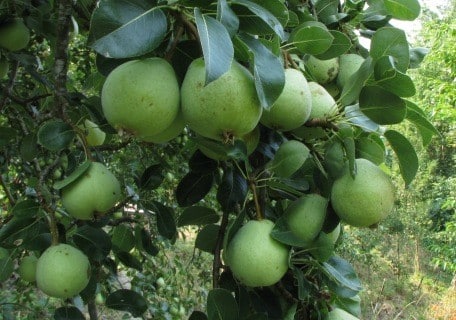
173, 130
224, 109
14, 35
348, 64
293, 106
323, 71
93, 134
305, 216
323, 104
27, 268
366, 199
93, 193
62, 271
141, 97
255, 258
290, 156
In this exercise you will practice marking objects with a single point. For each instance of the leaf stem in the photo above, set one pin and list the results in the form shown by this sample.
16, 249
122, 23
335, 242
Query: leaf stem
259, 214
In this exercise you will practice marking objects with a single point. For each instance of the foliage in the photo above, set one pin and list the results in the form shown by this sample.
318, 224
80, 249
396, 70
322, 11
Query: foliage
54, 85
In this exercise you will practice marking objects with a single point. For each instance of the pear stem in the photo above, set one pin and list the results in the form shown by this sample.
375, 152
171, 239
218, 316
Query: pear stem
259, 215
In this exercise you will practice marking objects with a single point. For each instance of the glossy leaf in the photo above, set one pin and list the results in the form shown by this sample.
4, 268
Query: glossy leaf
6, 268
94, 242
391, 79
354, 115
79, 171
26, 208
15, 227
165, 220
221, 305
6, 136
216, 43
425, 127
123, 238
115, 26
29, 147
403, 9
350, 92
198, 315
151, 178
339, 45
312, 39
370, 149
406, 154
381, 106
199, 162
144, 241
197, 215
233, 190
417, 55
68, 313
193, 187
267, 71
128, 260
227, 17
127, 300
206, 238
393, 42
55, 135
342, 276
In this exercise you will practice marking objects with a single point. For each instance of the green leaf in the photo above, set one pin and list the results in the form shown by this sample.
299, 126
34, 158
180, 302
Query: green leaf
6, 136
233, 190
29, 147
55, 135
403, 9
390, 41
312, 38
356, 82
26, 209
221, 305
381, 106
6, 268
339, 45
417, 56
426, 129
68, 313
15, 228
227, 17
351, 305
267, 17
129, 260
151, 178
94, 242
281, 233
115, 24
406, 154
127, 300
356, 117
79, 171
342, 277
201, 163
123, 238
391, 79
267, 70
198, 315
369, 149
165, 220
322, 248
197, 215
216, 43
193, 187
206, 238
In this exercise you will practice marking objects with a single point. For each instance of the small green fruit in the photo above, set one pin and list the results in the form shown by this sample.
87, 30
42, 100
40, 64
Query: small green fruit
14, 35
349, 63
290, 156
293, 106
335, 233
4, 66
223, 109
323, 104
93, 134
27, 268
366, 199
305, 216
171, 132
99, 299
94, 192
323, 71
141, 97
62, 271
160, 282
339, 314
255, 258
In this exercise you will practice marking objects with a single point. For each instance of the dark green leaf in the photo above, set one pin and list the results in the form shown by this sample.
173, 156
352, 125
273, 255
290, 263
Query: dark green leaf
201, 163
94, 242
221, 305
55, 135
222, 151
312, 38
233, 189
151, 178
146, 242
165, 220
15, 228
351, 305
227, 17
6, 136
26, 209
381, 106
123, 238
128, 260
334, 160
267, 71
403, 9
305, 288
198, 315
198, 215
68, 313
206, 238
389, 41
369, 149
356, 82
115, 25
6, 268
39, 243
417, 56
406, 154
425, 127
79, 171
193, 187
322, 248
234, 227
356, 117
216, 43
391, 79
342, 277
29, 147
339, 45
281, 233
127, 300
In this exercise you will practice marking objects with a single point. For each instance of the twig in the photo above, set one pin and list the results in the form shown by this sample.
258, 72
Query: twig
10, 197
217, 263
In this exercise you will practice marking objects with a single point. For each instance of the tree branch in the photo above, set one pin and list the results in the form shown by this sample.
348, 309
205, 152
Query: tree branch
217, 263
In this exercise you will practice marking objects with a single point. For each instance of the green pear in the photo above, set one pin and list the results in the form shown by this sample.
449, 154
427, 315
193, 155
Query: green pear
305, 216
322, 71
14, 35
254, 257
293, 106
93, 193
27, 268
365, 199
348, 64
323, 104
93, 134
171, 132
224, 109
141, 97
290, 156
62, 271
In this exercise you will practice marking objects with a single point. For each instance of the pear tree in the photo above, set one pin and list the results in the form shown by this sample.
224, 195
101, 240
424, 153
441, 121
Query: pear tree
266, 126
